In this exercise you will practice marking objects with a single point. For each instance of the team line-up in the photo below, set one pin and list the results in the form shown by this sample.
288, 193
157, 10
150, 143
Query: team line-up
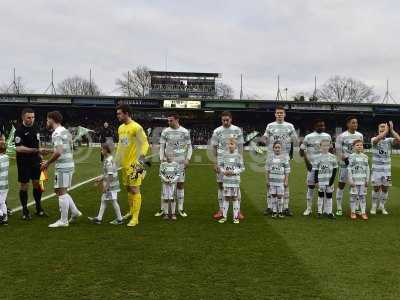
227, 142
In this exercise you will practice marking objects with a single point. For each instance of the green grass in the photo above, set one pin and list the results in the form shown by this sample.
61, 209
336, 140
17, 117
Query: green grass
197, 258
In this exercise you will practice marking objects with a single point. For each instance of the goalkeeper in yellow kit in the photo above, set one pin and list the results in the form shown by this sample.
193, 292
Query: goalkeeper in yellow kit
131, 149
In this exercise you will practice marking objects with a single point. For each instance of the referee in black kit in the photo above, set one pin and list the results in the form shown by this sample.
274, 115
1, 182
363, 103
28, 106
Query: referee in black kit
27, 139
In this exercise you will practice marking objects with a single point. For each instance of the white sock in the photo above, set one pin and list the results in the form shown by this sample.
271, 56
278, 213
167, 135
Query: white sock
2, 204
236, 209
3, 207
286, 198
117, 209
4, 210
225, 208
328, 205
353, 203
375, 198
239, 198
320, 204
363, 203
280, 204
268, 197
102, 209
358, 208
165, 207
220, 199
63, 202
339, 198
274, 204
269, 201
173, 206
310, 194
384, 197
72, 206
180, 197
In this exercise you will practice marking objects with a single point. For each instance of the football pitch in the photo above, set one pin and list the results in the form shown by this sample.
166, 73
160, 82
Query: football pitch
196, 257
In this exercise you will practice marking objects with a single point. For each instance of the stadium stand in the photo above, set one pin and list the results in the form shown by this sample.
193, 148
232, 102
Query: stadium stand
92, 112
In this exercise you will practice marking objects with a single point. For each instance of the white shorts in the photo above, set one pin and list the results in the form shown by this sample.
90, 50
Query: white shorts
107, 196
276, 190
3, 196
343, 175
360, 190
62, 179
231, 191
326, 189
310, 177
379, 178
168, 191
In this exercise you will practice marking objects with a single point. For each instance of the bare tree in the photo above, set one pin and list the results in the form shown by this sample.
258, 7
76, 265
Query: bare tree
135, 82
17, 86
346, 89
78, 86
224, 91
300, 97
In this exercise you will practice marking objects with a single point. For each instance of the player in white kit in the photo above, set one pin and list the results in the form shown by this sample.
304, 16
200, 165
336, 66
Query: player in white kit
175, 140
283, 132
381, 178
344, 147
4, 166
219, 142
231, 165
170, 172
325, 168
278, 169
358, 178
310, 150
63, 160
109, 185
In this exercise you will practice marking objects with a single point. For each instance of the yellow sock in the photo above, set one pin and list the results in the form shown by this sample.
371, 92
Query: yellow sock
137, 203
131, 200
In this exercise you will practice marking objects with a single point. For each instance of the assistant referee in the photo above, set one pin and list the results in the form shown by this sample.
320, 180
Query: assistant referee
27, 139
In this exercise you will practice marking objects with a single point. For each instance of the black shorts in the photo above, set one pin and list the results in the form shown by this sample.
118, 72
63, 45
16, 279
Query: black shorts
29, 170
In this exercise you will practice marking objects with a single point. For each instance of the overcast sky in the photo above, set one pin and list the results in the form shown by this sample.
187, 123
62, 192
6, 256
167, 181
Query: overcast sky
261, 39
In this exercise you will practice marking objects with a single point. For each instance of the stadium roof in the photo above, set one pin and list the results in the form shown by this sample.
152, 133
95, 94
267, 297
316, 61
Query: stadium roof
202, 104
184, 74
